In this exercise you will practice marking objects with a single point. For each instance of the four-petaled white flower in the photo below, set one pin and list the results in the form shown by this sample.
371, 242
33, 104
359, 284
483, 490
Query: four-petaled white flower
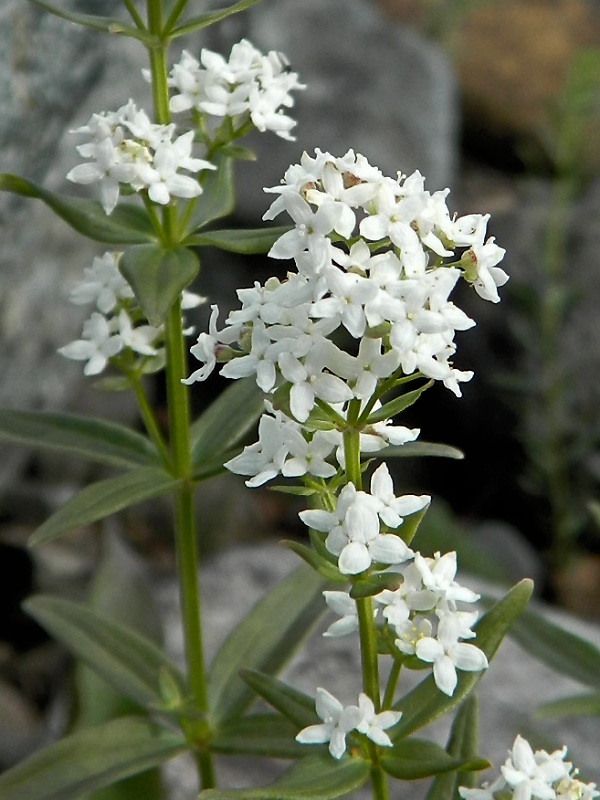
374, 725
338, 721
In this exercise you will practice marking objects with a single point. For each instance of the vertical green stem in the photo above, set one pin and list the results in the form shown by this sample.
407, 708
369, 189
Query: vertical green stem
179, 426
364, 608
149, 420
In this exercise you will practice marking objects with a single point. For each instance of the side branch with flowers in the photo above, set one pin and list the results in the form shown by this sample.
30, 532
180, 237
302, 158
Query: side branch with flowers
330, 357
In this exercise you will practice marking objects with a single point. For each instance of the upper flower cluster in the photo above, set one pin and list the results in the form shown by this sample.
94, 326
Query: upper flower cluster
248, 84
527, 774
375, 256
127, 149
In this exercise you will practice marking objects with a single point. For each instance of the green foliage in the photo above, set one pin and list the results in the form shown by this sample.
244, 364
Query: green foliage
264, 640
295, 705
103, 498
411, 759
218, 195
86, 437
91, 759
263, 735
158, 276
315, 777
398, 404
126, 660
110, 25
247, 241
127, 225
462, 744
209, 18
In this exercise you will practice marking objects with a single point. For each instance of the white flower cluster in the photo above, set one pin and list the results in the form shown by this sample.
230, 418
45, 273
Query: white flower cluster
527, 774
127, 149
249, 84
354, 528
339, 721
285, 447
423, 613
388, 287
114, 326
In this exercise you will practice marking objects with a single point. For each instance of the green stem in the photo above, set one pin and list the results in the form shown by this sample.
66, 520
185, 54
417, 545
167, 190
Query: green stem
149, 420
179, 426
175, 15
185, 534
133, 13
390, 689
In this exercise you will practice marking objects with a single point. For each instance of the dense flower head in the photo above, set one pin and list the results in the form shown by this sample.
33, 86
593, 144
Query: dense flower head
249, 84
126, 149
528, 774
376, 260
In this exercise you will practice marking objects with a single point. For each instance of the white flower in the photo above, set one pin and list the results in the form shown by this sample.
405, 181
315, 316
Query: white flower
391, 507
98, 344
137, 339
447, 655
487, 791
208, 346
374, 725
103, 284
438, 575
265, 459
345, 607
338, 721
531, 776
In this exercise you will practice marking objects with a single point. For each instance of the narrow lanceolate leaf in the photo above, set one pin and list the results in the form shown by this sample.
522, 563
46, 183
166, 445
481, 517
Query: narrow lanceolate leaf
425, 702
297, 706
412, 759
561, 650
106, 24
240, 241
580, 705
326, 569
129, 662
398, 404
316, 777
90, 760
218, 194
420, 449
126, 225
264, 735
264, 640
209, 18
86, 437
462, 744
158, 276
226, 421
104, 498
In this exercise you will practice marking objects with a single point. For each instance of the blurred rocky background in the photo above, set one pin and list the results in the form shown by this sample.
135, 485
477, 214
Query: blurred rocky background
498, 99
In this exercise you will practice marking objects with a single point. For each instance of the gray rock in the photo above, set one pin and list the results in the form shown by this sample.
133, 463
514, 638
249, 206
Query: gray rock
372, 86
514, 686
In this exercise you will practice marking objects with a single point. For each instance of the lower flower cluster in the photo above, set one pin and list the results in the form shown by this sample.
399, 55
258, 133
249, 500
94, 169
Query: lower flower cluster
527, 774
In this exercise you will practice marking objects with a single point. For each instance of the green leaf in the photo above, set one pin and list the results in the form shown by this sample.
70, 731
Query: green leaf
264, 640
226, 421
425, 703
126, 225
259, 240
105, 24
316, 777
218, 195
412, 759
91, 759
104, 498
297, 706
581, 705
462, 744
419, 449
128, 661
561, 650
398, 404
264, 735
95, 439
209, 18
158, 276
375, 583
327, 570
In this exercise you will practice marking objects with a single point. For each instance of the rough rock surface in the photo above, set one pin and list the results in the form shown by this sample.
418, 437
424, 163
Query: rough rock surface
514, 686
371, 86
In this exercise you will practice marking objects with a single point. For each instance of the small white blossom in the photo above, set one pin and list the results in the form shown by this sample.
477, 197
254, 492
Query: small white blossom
98, 344
374, 725
338, 721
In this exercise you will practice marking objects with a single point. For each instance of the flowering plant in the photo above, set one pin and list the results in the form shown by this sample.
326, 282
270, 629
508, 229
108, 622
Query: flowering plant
327, 355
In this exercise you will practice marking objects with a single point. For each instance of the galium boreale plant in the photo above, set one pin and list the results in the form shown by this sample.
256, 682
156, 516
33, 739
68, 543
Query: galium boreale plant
376, 259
